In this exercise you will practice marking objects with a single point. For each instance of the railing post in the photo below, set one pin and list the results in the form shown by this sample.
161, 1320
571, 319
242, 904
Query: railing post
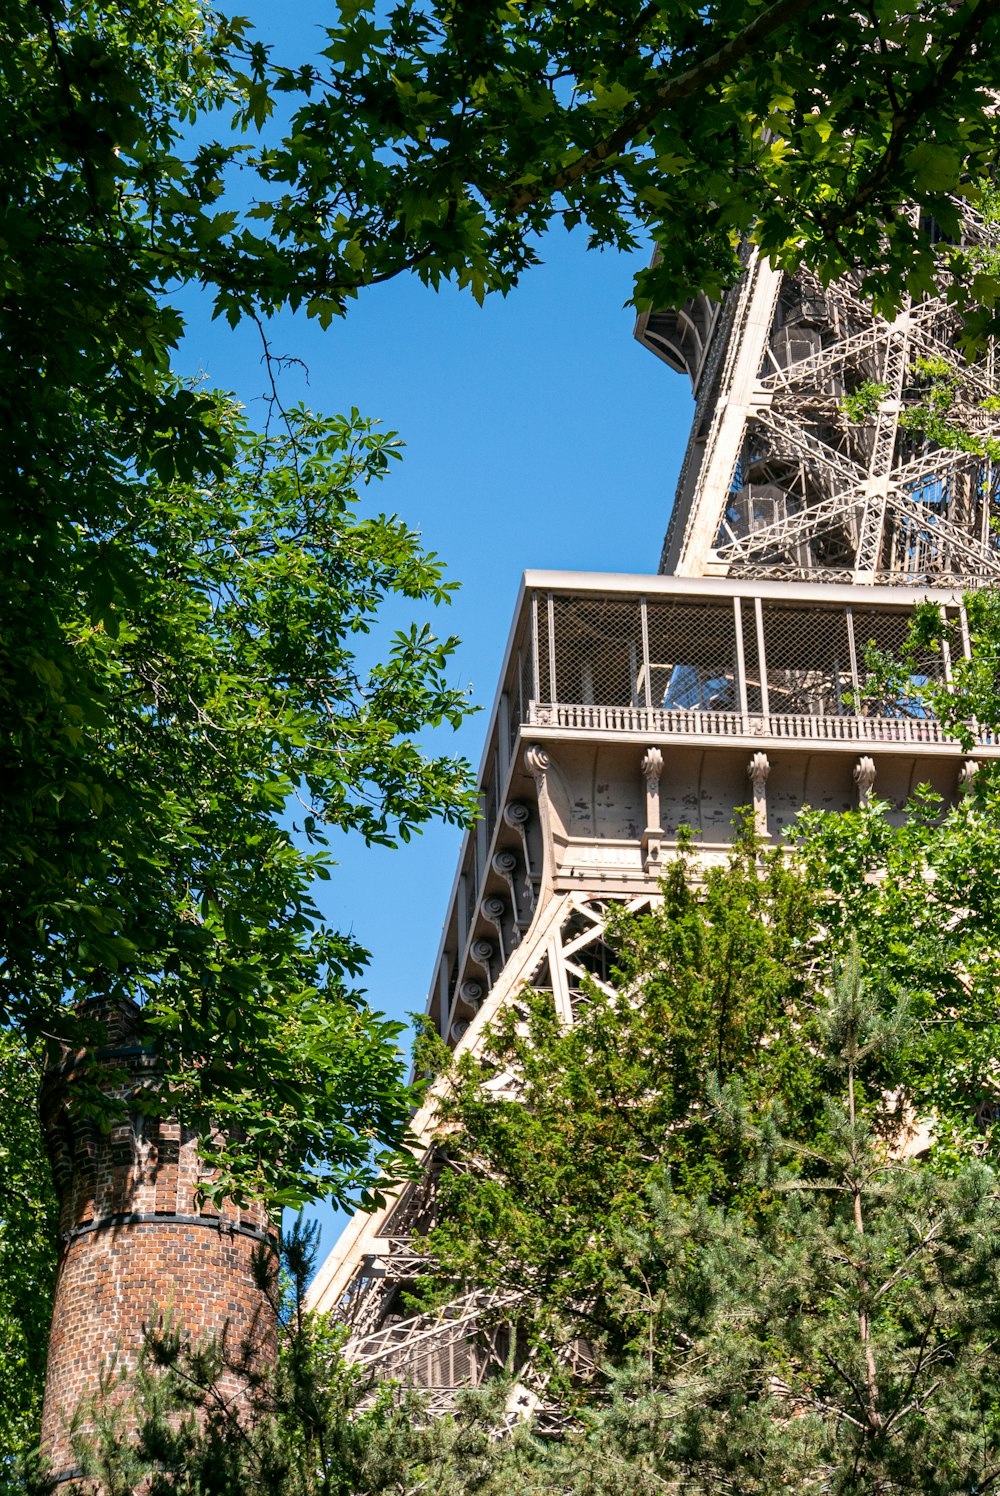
945, 646
741, 667
765, 697
462, 912
482, 832
647, 683
536, 691
552, 650
853, 651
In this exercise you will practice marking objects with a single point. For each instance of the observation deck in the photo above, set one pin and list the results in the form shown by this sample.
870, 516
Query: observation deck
815, 510
631, 707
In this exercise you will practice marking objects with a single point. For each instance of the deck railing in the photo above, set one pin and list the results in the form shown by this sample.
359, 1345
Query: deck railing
692, 723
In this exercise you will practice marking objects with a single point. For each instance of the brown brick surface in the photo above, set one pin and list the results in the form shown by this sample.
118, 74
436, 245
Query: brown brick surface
135, 1246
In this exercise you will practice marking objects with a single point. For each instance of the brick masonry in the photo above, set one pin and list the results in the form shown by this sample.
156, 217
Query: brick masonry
135, 1245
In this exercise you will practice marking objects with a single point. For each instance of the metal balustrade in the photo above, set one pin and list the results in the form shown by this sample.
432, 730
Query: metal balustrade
658, 722
685, 663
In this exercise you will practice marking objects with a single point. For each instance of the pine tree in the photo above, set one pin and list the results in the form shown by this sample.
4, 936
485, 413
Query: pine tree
733, 1274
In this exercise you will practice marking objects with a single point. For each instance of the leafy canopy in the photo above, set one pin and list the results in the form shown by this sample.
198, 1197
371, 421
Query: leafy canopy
229, 689
28, 1225
448, 138
190, 642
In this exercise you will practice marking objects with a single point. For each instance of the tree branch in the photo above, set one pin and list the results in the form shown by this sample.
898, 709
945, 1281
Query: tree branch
670, 91
905, 119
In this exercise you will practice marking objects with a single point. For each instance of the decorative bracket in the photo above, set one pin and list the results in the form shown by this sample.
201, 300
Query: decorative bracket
505, 864
538, 763
494, 910
482, 952
758, 769
472, 993
517, 816
652, 837
967, 776
864, 778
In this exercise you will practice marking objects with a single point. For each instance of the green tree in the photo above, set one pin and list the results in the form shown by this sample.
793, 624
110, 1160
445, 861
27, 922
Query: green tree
918, 895
970, 701
447, 139
559, 1137
232, 696
28, 1225
189, 640
196, 691
556, 1135
841, 1341
811, 1310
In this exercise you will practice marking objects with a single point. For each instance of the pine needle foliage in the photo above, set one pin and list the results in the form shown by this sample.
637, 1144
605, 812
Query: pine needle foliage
842, 1342
731, 1271
557, 1135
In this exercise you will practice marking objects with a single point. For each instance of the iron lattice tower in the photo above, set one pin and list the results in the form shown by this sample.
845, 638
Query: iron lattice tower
779, 481
813, 511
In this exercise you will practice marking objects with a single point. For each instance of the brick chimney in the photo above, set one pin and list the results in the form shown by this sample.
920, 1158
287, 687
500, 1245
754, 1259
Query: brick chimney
135, 1245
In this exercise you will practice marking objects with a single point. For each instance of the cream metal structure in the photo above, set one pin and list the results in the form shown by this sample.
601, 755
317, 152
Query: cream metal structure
632, 706
779, 482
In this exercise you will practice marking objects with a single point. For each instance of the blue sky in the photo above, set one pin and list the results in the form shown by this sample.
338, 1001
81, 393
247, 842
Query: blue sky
538, 434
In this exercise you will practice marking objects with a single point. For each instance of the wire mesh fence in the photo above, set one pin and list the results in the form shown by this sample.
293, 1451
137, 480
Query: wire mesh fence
807, 655
591, 650
890, 675
692, 656
733, 657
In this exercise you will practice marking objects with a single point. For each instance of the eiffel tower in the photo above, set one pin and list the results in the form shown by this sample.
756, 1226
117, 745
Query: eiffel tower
812, 514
